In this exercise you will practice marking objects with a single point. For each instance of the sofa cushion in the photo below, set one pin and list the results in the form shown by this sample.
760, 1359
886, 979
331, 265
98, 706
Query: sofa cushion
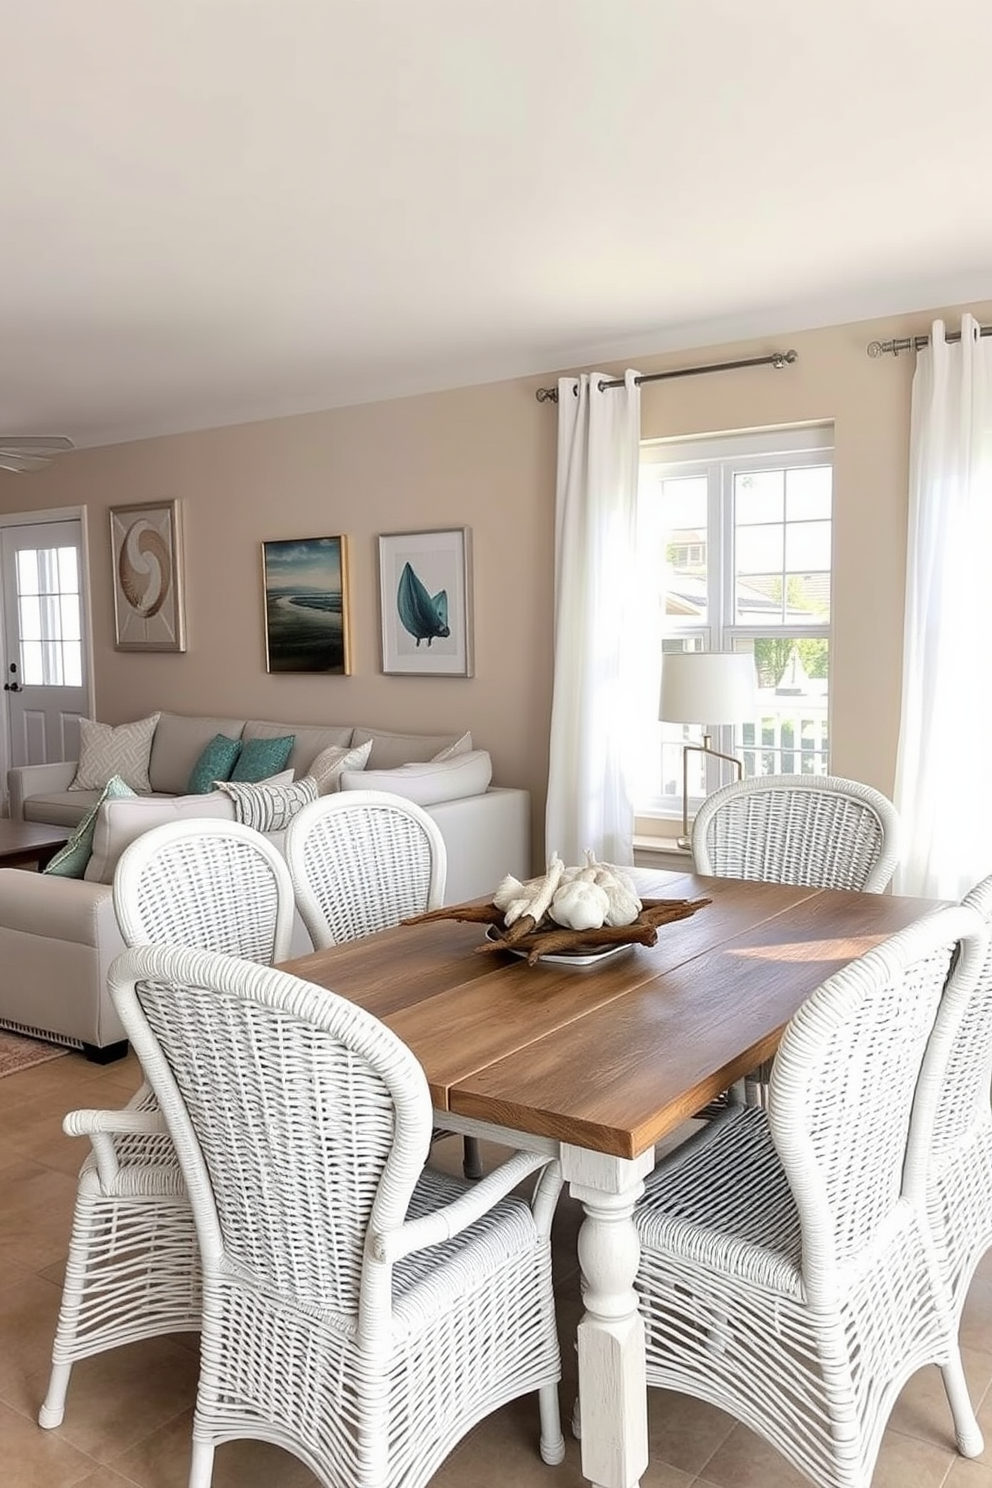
330, 763
72, 860
310, 739
106, 750
61, 808
390, 749
260, 758
215, 763
460, 746
266, 806
429, 782
118, 823
179, 741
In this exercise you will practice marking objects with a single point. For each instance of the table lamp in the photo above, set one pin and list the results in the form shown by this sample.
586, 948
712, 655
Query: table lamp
706, 687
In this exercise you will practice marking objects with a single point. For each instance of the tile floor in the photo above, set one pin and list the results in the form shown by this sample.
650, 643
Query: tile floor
128, 1415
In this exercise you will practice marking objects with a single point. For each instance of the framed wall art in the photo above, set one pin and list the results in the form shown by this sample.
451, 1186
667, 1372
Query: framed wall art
425, 597
305, 580
146, 544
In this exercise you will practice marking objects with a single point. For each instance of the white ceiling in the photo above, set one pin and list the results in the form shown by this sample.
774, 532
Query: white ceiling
214, 211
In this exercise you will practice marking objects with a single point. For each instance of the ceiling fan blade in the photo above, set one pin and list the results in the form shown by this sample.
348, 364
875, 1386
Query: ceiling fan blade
10, 460
30, 444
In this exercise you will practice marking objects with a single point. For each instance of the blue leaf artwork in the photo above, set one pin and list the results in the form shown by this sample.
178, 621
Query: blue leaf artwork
423, 615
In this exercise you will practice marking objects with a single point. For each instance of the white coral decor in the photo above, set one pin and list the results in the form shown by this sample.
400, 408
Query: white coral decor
580, 898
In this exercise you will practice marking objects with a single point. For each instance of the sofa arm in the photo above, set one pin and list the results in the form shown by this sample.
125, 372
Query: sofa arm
58, 937
37, 780
486, 837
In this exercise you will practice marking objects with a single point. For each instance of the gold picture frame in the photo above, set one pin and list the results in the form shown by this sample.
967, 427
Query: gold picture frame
147, 556
305, 587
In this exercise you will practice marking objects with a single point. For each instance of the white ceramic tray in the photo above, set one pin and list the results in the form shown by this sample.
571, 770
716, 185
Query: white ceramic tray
565, 958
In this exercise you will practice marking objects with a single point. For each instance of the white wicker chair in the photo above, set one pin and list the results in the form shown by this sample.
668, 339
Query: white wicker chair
819, 830
359, 1310
363, 861
956, 1076
787, 1271
133, 1269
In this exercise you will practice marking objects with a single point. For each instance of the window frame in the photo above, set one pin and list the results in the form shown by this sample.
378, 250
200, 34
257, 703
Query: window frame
719, 459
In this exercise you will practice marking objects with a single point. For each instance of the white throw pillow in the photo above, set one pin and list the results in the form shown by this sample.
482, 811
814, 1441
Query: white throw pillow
460, 746
118, 823
430, 782
327, 768
105, 751
268, 807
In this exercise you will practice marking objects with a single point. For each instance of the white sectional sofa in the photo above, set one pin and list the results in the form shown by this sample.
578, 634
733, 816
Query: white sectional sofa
58, 935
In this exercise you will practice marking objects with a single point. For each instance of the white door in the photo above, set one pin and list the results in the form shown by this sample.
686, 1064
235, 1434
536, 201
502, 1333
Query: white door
45, 685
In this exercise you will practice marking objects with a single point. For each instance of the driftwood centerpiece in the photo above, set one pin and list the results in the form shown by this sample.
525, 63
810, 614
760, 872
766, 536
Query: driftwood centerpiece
546, 937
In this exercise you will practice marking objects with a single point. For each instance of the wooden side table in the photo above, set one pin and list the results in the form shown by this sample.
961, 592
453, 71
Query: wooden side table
29, 844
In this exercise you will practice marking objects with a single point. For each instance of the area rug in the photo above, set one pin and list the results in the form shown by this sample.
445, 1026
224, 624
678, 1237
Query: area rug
18, 1052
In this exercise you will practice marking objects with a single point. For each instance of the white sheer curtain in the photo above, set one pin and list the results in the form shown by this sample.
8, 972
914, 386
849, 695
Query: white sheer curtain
589, 803
943, 776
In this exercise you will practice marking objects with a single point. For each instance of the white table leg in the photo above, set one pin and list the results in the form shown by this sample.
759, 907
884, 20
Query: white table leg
612, 1387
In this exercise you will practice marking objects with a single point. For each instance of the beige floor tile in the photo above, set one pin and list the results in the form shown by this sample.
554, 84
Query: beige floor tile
968, 1474
36, 1215
904, 1460
161, 1460
744, 1460
32, 1458
105, 1477
684, 1432
28, 1312
922, 1409
116, 1399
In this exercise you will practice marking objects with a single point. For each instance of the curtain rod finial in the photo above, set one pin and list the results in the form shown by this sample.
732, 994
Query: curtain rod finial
547, 395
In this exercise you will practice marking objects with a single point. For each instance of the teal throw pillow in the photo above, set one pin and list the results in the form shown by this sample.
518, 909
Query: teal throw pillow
70, 861
215, 763
260, 758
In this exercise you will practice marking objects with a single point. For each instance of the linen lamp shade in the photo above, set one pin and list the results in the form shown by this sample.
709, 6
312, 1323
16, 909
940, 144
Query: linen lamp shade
706, 687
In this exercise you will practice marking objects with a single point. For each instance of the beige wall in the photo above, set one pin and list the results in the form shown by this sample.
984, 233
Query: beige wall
485, 458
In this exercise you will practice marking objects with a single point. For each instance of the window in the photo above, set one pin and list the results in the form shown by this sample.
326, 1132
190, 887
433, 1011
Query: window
49, 617
734, 549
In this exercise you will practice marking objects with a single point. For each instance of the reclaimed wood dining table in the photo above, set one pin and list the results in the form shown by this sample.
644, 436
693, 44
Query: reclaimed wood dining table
596, 1064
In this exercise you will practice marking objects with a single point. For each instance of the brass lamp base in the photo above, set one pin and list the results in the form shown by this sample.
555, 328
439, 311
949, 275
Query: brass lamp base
685, 841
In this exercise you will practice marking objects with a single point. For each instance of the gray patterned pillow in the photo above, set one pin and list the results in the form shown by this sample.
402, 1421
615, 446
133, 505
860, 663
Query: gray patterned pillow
331, 762
266, 806
105, 751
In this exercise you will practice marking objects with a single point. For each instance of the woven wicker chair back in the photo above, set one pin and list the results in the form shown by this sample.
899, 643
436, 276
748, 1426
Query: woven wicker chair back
963, 1102
819, 830
295, 1115
842, 1090
218, 886
361, 862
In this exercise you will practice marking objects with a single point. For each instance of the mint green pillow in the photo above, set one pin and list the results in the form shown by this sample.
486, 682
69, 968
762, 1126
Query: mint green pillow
215, 763
70, 861
260, 758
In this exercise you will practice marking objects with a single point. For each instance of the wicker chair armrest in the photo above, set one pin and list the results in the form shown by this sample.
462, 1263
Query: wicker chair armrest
126, 1123
444, 1223
103, 1127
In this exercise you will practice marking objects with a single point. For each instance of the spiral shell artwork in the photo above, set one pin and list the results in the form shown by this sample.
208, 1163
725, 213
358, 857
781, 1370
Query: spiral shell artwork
144, 568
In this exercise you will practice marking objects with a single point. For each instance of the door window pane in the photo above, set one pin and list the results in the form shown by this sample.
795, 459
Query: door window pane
49, 616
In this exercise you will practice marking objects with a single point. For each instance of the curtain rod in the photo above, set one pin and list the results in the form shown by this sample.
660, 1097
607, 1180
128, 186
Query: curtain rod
914, 343
774, 359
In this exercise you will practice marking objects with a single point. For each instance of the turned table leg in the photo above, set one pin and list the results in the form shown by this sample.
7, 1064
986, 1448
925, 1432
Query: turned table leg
612, 1386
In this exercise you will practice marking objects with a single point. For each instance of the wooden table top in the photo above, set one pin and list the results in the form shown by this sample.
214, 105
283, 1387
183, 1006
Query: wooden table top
610, 1057
28, 842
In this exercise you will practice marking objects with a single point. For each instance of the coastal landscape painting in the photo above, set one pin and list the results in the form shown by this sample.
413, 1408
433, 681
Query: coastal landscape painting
306, 605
